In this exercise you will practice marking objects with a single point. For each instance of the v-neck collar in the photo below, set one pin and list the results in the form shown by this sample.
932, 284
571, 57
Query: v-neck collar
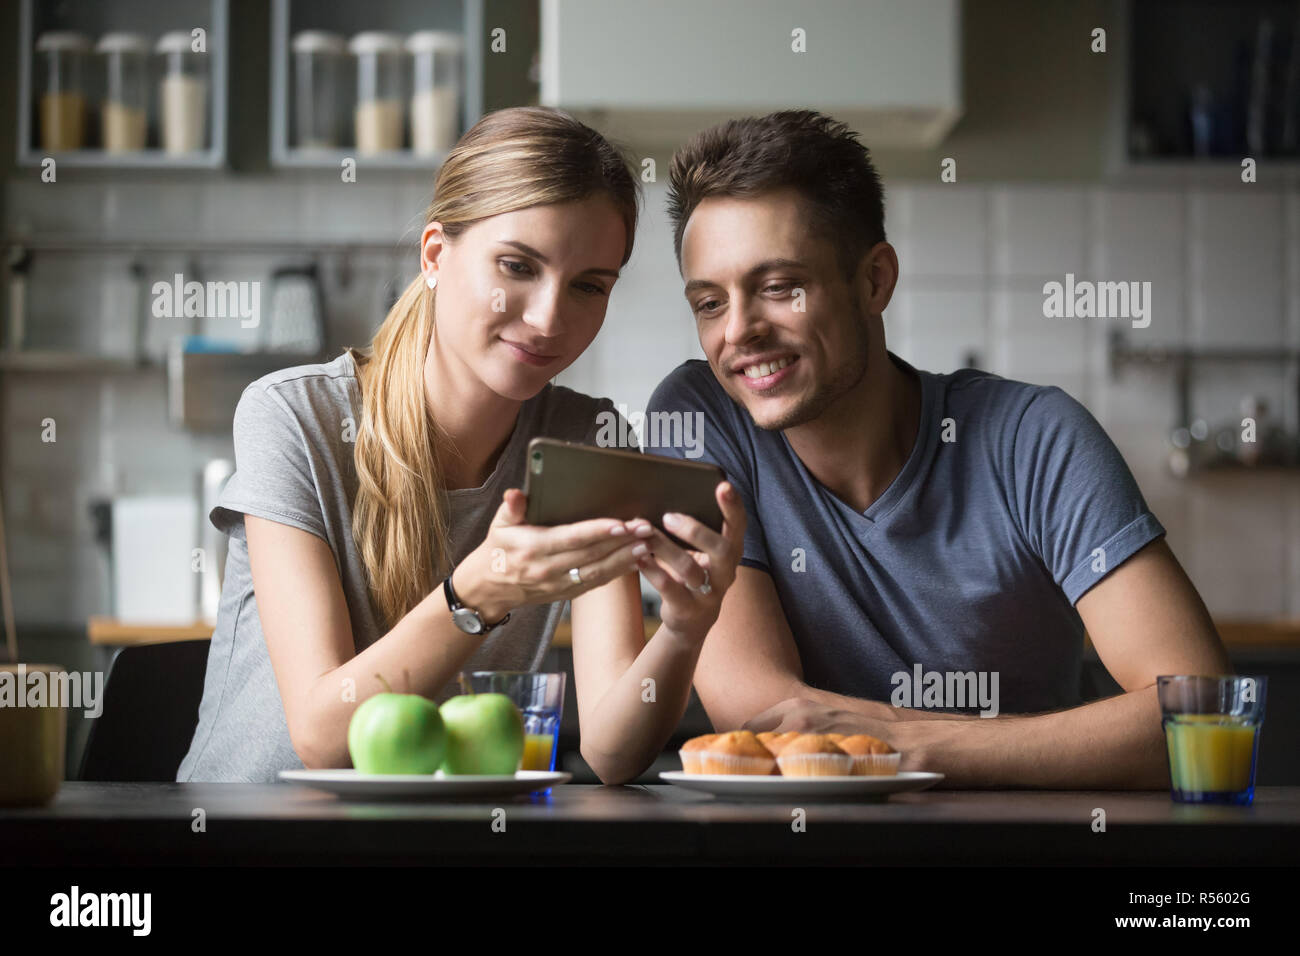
507, 453
922, 449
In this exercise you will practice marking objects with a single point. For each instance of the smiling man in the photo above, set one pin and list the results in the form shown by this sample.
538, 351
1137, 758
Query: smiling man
947, 534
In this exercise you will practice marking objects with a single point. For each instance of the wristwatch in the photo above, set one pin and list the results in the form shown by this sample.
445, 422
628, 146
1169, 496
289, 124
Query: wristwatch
466, 618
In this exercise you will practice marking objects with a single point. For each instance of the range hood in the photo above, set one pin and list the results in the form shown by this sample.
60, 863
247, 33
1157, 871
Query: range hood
652, 74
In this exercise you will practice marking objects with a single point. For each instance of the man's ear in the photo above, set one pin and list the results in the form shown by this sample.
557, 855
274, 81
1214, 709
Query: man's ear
877, 277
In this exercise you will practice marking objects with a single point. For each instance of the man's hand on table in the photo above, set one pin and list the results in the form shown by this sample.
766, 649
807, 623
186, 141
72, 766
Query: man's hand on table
810, 717
881, 721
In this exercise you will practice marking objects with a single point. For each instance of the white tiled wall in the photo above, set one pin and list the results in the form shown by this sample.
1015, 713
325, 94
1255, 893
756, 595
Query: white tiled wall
1038, 230
1224, 267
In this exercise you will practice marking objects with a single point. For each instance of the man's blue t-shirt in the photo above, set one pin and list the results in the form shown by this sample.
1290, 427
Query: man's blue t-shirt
1013, 503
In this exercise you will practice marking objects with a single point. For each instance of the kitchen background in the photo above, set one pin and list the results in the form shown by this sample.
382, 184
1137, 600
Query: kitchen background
1122, 165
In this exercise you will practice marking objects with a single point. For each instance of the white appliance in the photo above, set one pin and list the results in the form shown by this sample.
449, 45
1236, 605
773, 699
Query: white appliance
155, 561
653, 74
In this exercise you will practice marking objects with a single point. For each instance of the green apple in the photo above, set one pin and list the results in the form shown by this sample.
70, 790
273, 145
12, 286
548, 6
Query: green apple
485, 735
397, 733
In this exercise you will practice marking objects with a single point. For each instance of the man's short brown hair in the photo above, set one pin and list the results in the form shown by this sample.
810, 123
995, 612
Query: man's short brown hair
801, 149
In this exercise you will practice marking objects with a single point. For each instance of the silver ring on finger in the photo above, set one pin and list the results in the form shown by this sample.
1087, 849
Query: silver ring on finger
575, 576
706, 587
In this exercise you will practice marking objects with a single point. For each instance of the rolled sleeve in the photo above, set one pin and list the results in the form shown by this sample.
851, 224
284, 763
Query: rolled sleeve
273, 475
1077, 502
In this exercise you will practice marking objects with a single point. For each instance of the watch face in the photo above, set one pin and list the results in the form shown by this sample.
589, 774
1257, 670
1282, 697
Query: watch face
468, 620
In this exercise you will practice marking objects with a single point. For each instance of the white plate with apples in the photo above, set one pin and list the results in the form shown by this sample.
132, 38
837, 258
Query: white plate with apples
404, 746
396, 786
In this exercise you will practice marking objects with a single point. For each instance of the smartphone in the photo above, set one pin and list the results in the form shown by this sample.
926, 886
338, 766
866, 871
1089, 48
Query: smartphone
569, 482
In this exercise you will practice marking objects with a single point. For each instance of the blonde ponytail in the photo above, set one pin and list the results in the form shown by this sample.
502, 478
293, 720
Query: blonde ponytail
511, 159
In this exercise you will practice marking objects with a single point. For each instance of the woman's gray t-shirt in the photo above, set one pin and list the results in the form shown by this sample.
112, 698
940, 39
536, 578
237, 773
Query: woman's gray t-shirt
294, 433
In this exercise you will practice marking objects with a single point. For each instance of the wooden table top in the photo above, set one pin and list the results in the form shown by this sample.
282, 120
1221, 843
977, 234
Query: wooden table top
133, 823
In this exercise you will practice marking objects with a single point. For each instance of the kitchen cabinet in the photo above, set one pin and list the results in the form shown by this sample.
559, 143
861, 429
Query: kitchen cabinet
339, 20
1202, 87
1211, 81
65, 114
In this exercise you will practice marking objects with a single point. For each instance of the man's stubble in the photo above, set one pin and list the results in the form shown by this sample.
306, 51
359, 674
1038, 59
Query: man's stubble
845, 378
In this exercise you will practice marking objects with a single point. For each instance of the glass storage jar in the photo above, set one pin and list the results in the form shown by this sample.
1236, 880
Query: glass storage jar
183, 94
63, 55
436, 90
125, 115
318, 66
378, 114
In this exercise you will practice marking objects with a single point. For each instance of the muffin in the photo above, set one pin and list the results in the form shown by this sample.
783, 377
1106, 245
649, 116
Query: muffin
814, 755
775, 742
736, 752
690, 752
872, 757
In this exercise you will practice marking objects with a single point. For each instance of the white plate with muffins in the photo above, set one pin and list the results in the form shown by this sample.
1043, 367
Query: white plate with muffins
836, 766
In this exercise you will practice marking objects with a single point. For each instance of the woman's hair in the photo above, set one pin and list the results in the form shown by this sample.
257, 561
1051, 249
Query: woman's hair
511, 159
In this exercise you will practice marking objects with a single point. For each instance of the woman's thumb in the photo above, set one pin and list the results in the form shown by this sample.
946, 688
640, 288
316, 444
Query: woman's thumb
514, 503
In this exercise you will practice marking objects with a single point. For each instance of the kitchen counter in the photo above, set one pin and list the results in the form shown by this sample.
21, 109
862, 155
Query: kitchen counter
260, 824
102, 629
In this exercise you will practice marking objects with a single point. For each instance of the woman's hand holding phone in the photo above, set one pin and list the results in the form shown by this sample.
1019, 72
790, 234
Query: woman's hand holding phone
689, 609
519, 564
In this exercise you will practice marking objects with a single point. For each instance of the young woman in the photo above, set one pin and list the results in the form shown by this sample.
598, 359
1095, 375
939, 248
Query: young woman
364, 484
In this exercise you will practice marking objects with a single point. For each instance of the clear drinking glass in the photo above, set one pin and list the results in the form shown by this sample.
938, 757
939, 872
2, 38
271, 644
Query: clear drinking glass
540, 698
1212, 729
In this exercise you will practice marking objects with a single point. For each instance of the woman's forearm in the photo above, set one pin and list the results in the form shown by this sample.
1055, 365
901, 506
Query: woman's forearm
419, 655
638, 713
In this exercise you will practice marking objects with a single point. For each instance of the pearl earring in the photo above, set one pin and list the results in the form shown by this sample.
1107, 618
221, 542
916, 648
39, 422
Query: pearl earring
431, 281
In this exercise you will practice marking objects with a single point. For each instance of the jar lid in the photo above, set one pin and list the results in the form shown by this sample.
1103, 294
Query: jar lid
434, 41
62, 40
178, 41
318, 41
375, 41
122, 43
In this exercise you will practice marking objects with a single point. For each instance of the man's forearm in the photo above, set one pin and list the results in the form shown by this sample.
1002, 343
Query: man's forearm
1116, 743
1111, 744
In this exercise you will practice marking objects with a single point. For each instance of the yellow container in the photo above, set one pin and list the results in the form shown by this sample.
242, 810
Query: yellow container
1210, 753
32, 738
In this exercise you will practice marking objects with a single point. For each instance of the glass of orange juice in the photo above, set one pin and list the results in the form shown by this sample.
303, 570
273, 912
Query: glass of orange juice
540, 698
1212, 729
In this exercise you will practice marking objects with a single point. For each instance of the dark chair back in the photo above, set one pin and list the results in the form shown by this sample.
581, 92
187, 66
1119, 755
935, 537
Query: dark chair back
151, 707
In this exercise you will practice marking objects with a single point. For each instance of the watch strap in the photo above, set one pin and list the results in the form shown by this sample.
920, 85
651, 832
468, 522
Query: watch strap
455, 604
